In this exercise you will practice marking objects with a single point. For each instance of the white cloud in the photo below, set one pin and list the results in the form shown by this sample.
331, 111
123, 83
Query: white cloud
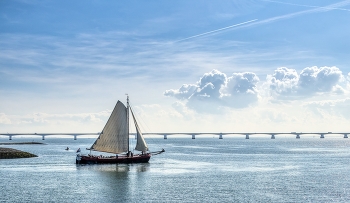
209, 86
216, 93
4, 119
215, 90
337, 89
287, 83
182, 109
35, 122
82, 117
322, 79
184, 92
284, 81
92, 118
340, 107
40, 118
241, 90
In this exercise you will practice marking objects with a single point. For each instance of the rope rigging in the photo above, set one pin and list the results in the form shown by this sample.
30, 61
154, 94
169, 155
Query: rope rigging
141, 124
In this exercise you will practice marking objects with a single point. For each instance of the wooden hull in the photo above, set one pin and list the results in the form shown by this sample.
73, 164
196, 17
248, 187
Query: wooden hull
82, 159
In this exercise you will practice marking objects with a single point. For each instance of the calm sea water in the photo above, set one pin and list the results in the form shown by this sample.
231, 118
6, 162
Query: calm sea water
200, 170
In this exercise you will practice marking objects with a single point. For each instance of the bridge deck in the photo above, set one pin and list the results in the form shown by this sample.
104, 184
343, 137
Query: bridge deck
193, 134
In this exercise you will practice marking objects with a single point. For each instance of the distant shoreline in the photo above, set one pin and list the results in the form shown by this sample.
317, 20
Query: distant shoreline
9, 153
19, 143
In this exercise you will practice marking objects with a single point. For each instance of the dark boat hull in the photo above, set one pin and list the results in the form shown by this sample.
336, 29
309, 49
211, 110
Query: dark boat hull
112, 160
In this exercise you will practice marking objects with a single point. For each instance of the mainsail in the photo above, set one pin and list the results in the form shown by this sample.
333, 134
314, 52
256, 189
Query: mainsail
141, 143
114, 137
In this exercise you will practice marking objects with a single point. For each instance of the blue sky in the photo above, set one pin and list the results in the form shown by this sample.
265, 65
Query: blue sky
231, 65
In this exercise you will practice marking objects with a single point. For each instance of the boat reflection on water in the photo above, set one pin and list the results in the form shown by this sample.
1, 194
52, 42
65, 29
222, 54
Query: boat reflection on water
118, 168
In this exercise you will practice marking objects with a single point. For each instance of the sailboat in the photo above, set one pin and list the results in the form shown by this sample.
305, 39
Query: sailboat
114, 139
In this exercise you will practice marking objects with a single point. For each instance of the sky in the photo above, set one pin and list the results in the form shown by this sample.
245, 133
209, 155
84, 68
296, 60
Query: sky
187, 66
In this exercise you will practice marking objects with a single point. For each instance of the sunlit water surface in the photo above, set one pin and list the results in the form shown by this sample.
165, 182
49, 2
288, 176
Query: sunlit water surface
201, 170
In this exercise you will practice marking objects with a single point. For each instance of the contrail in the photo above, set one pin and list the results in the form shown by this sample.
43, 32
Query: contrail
218, 30
324, 7
250, 23
291, 15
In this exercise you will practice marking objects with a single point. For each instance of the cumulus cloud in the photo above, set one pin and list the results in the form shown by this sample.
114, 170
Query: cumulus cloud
241, 90
284, 81
240, 83
287, 82
215, 90
319, 79
184, 92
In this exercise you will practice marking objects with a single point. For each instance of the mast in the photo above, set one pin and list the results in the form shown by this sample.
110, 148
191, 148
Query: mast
127, 119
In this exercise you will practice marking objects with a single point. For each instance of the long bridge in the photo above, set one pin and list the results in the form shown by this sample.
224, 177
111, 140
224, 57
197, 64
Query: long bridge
193, 135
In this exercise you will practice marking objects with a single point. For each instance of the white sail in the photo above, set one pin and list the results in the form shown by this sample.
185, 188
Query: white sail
114, 137
141, 143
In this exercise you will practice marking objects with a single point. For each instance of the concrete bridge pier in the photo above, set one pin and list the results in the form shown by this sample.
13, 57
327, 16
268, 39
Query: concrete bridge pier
298, 136
345, 135
165, 137
220, 136
272, 136
43, 137
322, 136
193, 136
247, 136
10, 137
